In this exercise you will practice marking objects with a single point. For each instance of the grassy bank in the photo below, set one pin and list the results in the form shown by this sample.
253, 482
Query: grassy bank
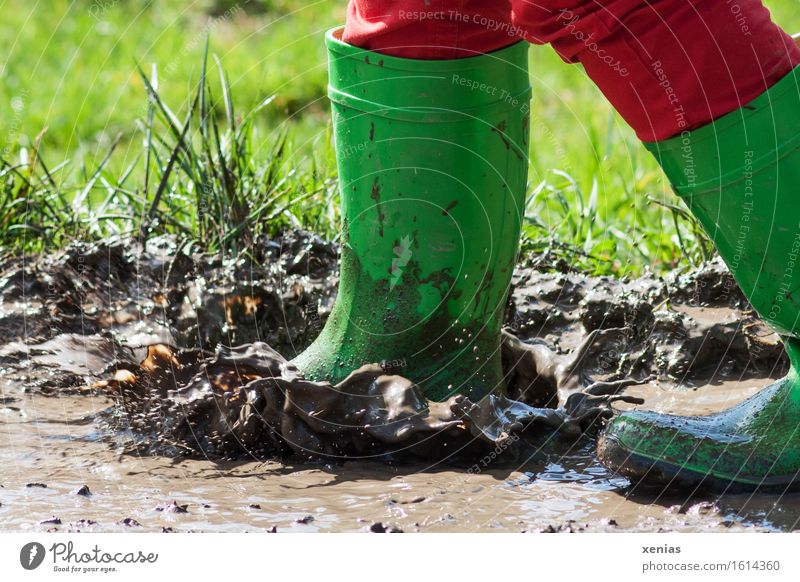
87, 154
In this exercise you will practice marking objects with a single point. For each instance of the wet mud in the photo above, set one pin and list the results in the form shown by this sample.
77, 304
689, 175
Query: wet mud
158, 378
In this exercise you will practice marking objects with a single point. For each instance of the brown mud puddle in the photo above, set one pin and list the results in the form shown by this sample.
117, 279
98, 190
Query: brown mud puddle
111, 378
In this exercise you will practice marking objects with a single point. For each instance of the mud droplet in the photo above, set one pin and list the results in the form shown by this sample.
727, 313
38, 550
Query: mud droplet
173, 507
375, 194
51, 521
378, 527
418, 499
83, 490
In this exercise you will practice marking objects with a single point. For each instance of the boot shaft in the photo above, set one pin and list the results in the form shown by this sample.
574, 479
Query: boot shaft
740, 176
433, 159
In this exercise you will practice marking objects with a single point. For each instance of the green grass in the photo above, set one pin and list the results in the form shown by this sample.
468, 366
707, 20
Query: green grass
87, 154
195, 174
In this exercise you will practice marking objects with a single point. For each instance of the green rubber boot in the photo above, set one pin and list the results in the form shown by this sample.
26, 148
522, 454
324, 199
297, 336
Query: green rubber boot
433, 161
740, 176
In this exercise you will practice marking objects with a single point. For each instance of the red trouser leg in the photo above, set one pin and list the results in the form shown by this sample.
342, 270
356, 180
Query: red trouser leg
430, 29
666, 65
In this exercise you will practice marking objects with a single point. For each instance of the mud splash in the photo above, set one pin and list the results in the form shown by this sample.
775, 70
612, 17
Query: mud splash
250, 401
145, 328
118, 312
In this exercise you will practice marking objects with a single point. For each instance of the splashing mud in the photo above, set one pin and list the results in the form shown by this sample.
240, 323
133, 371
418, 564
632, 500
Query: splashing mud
250, 400
139, 333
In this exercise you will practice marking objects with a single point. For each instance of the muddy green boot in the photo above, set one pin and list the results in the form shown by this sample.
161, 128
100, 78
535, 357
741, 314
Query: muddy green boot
432, 159
740, 176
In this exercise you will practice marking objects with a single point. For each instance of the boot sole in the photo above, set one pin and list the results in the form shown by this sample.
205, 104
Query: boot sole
653, 473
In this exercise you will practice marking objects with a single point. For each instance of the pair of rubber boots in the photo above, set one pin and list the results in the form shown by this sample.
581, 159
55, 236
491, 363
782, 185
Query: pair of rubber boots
433, 160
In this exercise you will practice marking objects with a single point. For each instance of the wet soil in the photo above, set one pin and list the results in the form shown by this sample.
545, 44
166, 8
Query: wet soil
115, 376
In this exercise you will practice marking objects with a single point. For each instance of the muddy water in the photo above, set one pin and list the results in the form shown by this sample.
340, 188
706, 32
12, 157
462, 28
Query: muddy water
75, 328
46, 441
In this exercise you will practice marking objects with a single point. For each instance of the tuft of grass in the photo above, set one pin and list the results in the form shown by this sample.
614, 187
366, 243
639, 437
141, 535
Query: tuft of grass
198, 176
564, 222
